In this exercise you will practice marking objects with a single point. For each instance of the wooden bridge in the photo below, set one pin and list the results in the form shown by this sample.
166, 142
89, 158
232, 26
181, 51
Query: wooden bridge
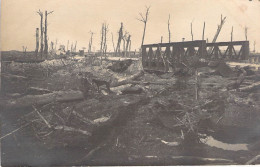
161, 56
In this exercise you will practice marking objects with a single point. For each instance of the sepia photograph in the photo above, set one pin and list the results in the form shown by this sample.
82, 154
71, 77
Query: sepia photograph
129, 82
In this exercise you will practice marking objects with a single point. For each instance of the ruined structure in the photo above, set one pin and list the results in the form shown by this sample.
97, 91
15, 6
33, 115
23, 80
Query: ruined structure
162, 55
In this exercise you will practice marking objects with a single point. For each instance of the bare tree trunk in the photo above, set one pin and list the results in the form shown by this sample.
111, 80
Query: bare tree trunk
75, 47
113, 42
41, 26
68, 45
90, 42
143, 34
127, 44
105, 39
231, 35
56, 42
124, 47
120, 36
45, 35
191, 31
203, 31
144, 20
102, 39
169, 31
130, 43
246, 33
37, 42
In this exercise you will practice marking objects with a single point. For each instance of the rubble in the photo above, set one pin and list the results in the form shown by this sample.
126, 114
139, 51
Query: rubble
158, 111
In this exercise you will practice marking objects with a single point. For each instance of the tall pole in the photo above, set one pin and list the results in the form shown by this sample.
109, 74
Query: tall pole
231, 35
203, 31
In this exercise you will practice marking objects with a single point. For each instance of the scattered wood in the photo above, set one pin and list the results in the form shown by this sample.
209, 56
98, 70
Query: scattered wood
253, 160
250, 88
11, 76
44, 120
120, 66
8, 134
82, 118
37, 91
127, 80
170, 143
71, 129
205, 160
132, 90
101, 119
29, 100
90, 153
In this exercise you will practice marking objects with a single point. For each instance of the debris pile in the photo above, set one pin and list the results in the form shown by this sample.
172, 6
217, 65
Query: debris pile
117, 108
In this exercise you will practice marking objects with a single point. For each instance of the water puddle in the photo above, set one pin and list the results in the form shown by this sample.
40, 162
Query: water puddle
210, 141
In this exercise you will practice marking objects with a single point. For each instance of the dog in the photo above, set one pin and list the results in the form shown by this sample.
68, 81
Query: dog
89, 79
99, 83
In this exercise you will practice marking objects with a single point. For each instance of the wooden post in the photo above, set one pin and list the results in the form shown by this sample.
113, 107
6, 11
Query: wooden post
161, 39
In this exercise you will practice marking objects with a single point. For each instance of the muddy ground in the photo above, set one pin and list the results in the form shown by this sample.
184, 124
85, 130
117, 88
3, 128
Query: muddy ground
156, 119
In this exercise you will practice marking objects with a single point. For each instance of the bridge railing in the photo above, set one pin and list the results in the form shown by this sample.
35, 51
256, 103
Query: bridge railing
229, 53
162, 56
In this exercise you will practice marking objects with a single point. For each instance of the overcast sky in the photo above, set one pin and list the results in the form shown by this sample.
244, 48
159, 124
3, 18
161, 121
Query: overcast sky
73, 19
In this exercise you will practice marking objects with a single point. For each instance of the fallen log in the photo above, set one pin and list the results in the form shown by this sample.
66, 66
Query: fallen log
71, 129
29, 100
202, 160
8, 134
127, 80
250, 162
82, 118
250, 88
11, 76
37, 91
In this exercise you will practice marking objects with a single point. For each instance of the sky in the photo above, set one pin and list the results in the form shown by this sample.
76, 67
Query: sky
73, 20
